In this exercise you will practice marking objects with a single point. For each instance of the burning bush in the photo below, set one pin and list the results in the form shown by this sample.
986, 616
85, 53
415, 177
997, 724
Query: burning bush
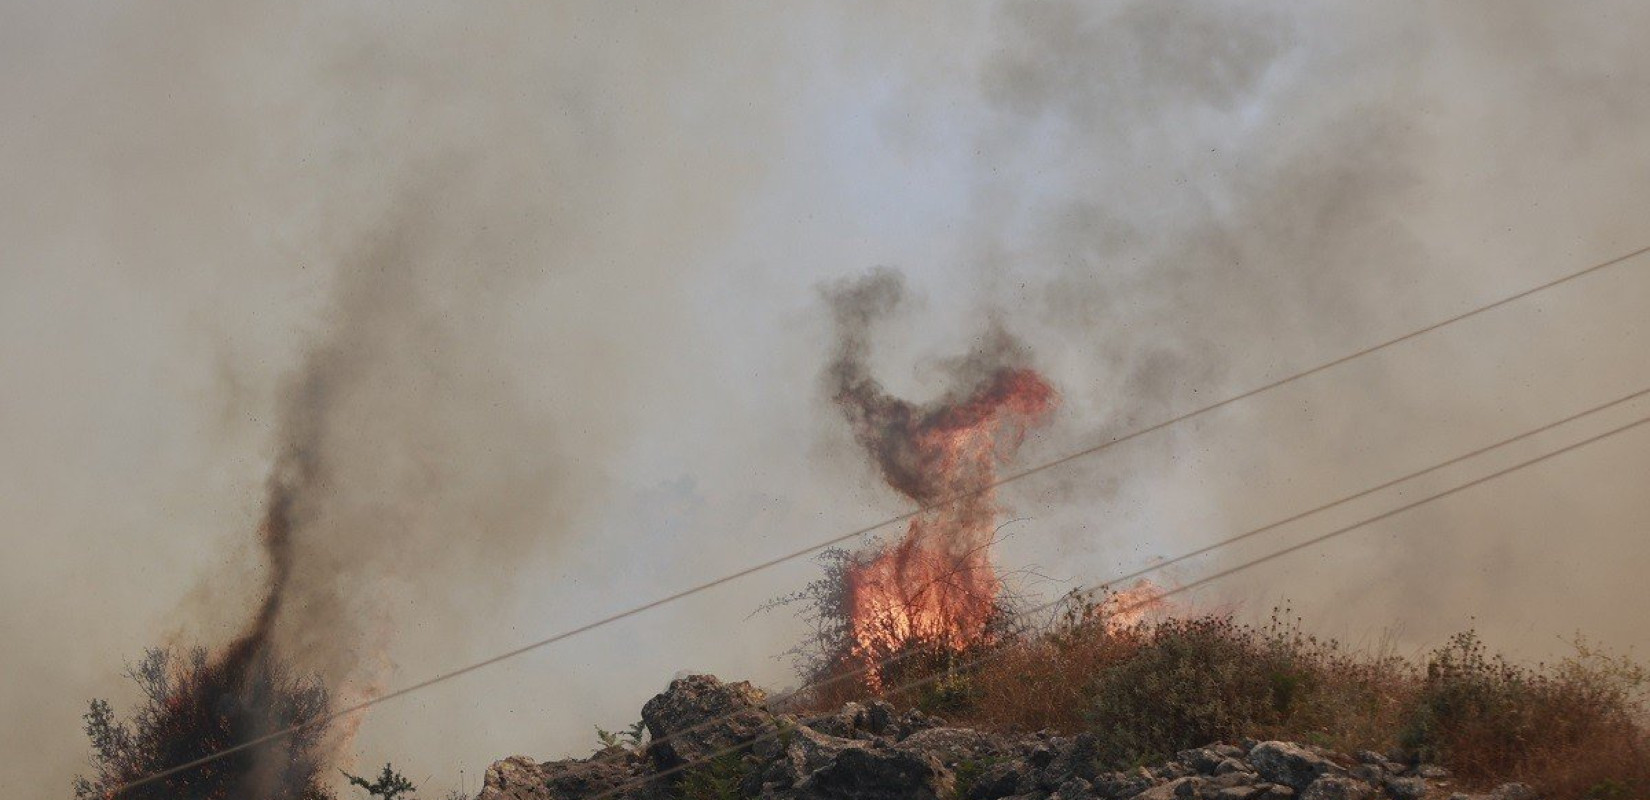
935, 590
837, 654
194, 706
936, 587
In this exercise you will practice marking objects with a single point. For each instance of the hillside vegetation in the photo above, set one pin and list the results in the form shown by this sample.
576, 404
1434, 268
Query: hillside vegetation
1147, 690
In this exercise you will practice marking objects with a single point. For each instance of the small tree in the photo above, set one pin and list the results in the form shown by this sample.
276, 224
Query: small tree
197, 706
390, 784
827, 657
823, 606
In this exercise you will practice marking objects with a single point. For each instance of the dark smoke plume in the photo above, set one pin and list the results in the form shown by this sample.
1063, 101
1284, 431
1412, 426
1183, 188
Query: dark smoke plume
354, 502
204, 703
910, 441
937, 587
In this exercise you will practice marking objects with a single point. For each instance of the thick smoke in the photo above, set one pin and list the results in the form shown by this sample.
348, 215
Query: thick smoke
994, 379
379, 300
1248, 191
524, 306
937, 585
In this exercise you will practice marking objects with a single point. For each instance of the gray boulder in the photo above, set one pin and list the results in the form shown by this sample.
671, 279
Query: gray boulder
521, 778
699, 716
1337, 787
1121, 784
869, 752
1001, 780
805, 750
953, 745
1229, 780
1290, 764
1202, 759
1066, 758
844, 723
870, 773
912, 721
868, 721
1177, 789
1073, 789
1411, 788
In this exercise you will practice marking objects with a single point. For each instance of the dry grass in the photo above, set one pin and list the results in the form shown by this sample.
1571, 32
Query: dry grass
1166, 685
1576, 729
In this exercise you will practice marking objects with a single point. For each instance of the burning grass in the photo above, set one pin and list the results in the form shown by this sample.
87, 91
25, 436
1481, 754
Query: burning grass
1148, 688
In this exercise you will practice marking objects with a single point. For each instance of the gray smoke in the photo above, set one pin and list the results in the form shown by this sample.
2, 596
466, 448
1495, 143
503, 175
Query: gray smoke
993, 381
1252, 192
531, 294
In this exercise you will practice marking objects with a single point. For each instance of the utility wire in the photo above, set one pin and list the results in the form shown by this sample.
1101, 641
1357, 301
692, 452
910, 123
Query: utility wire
1158, 566
795, 554
1142, 603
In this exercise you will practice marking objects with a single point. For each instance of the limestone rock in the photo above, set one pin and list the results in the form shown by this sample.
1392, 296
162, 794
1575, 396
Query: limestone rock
699, 716
1290, 764
865, 773
521, 778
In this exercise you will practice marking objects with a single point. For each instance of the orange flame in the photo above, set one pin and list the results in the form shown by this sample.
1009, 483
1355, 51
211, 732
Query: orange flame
937, 586
1126, 608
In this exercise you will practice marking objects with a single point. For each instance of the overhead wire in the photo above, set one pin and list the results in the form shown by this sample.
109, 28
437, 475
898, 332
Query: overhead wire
943, 502
1139, 604
1160, 565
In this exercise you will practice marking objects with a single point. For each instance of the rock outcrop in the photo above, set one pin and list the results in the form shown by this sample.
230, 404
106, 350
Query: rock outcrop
714, 740
699, 716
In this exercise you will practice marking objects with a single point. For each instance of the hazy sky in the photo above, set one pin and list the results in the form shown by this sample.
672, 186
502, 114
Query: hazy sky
559, 268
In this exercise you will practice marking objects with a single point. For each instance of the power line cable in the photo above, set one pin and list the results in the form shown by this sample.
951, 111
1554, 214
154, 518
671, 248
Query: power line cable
1139, 604
795, 554
1159, 566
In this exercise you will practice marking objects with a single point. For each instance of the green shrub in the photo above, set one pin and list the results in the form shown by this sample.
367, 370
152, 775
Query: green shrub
967, 773
391, 785
721, 779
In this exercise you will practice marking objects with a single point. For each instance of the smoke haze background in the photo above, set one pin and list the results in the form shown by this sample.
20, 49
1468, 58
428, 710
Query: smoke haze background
559, 268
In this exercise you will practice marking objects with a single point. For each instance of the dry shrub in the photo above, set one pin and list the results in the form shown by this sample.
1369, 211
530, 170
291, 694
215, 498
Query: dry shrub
1575, 730
194, 707
835, 671
1187, 683
1043, 678
1152, 688
928, 676
1147, 690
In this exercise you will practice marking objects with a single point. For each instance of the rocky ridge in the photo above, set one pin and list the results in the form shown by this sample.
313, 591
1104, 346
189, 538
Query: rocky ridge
870, 752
